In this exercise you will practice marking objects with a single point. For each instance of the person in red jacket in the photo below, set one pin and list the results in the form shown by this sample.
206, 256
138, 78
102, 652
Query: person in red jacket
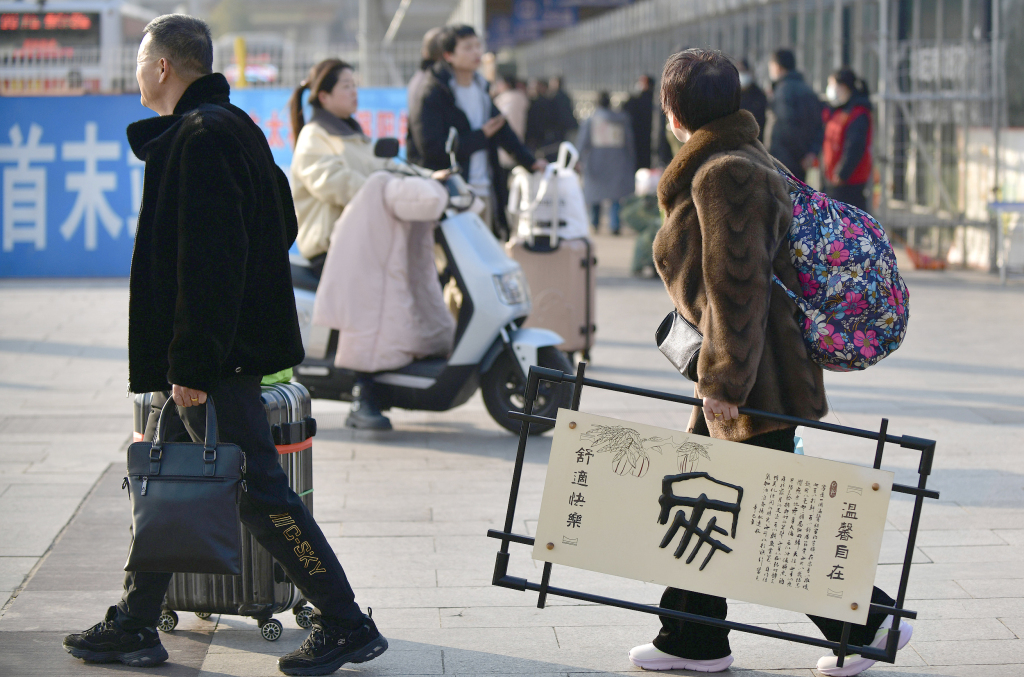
846, 153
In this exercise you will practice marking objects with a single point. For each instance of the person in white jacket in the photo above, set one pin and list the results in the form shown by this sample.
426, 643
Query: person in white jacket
333, 157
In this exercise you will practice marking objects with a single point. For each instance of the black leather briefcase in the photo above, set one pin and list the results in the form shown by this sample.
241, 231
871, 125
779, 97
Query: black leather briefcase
185, 502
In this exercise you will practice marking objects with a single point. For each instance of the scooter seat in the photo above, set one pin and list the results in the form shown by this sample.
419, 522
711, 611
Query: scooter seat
428, 367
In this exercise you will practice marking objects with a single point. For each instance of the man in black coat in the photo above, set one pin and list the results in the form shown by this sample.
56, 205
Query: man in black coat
437, 110
565, 112
640, 108
797, 131
541, 133
211, 310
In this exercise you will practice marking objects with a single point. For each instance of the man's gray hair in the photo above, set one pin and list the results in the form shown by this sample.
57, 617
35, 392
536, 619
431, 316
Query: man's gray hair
185, 41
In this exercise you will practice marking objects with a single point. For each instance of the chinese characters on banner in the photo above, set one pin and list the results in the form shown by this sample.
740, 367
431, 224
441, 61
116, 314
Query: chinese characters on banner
788, 518
712, 516
579, 483
72, 187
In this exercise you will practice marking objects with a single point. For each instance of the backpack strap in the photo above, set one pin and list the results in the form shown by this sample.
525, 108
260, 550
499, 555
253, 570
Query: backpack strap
800, 301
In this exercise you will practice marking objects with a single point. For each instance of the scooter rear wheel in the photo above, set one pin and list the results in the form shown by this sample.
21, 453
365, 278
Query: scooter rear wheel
504, 390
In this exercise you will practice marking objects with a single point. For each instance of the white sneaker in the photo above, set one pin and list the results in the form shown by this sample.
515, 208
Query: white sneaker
649, 657
856, 664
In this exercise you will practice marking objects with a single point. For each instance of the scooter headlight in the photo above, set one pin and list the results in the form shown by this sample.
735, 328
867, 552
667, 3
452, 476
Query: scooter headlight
512, 288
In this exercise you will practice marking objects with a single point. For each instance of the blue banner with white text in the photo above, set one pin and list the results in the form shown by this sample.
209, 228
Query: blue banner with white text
72, 188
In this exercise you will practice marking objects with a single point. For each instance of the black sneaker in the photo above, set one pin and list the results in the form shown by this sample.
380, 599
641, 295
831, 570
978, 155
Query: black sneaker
330, 646
106, 642
365, 415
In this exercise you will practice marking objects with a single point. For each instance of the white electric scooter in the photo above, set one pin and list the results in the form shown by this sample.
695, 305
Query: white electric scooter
492, 351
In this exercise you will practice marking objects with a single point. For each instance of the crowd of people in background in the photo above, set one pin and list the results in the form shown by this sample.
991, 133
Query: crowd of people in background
529, 120
506, 121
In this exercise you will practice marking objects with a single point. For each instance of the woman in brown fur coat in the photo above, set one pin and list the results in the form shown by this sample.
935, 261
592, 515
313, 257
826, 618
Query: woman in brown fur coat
727, 214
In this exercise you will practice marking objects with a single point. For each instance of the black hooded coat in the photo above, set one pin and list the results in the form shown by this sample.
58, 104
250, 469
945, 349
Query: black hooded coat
211, 292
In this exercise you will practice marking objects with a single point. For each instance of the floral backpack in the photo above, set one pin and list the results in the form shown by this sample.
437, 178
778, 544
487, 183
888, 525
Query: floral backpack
855, 304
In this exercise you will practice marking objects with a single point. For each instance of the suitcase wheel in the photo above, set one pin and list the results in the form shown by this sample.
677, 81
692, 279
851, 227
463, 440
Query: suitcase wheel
304, 617
271, 629
168, 620
203, 614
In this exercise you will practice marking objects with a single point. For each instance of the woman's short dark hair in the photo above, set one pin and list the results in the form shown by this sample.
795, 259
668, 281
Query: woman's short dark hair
453, 34
185, 41
604, 100
698, 86
785, 58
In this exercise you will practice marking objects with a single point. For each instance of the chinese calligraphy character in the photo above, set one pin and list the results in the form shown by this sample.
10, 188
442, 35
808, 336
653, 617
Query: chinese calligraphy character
584, 455
91, 186
575, 520
669, 500
580, 478
851, 511
576, 499
836, 573
25, 188
842, 551
845, 531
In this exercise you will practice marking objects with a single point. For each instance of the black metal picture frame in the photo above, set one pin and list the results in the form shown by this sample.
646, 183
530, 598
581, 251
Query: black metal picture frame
502, 578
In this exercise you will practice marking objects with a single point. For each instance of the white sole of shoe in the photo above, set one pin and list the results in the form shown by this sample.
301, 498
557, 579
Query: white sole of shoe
854, 665
675, 663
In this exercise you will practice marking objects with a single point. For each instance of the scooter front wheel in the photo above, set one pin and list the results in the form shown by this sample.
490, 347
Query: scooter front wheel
504, 390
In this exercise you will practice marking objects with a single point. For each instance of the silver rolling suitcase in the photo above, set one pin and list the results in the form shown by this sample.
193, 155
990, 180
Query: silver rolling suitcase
263, 589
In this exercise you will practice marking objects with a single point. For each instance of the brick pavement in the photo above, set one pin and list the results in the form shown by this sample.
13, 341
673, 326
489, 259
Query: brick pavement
407, 511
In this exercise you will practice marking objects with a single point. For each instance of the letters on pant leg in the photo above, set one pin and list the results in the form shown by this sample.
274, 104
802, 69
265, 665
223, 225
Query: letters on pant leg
304, 551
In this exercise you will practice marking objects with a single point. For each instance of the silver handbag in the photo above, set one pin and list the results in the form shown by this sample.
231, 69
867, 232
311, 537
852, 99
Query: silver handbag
680, 341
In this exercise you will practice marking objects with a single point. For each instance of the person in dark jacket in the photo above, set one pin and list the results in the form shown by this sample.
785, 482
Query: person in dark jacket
724, 237
640, 108
565, 123
796, 132
752, 97
210, 312
541, 136
453, 92
846, 153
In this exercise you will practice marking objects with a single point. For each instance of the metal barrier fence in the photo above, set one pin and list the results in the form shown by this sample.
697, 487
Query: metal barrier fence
503, 579
935, 68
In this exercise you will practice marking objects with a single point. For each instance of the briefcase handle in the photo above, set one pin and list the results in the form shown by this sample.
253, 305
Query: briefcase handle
156, 451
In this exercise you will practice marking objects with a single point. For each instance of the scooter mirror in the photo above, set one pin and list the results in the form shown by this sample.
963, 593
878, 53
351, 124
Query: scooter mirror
386, 147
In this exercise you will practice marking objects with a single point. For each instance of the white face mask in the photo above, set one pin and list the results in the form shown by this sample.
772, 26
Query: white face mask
746, 79
832, 94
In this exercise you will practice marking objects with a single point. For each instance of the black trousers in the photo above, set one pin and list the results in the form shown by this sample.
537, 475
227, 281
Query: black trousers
851, 195
242, 420
703, 642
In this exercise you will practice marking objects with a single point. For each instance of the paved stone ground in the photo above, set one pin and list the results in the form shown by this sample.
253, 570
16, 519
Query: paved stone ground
407, 511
